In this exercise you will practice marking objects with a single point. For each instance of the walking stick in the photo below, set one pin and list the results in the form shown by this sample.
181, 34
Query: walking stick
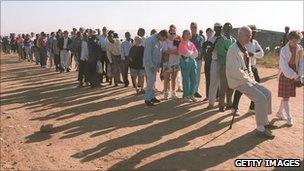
233, 115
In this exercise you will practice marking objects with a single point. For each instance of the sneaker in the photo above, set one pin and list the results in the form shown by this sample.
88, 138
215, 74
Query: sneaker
210, 106
280, 116
173, 95
237, 113
186, 100
155, 100
166, 95
265, 134
149, 103
289, 121
197, 95
193, 99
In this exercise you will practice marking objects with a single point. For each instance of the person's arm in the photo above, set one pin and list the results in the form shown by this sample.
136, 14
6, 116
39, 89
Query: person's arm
283, 63
148, 54
108, 49
220, 49
259, 53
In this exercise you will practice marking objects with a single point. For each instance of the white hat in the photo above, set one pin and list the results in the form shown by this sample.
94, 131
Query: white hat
217, 25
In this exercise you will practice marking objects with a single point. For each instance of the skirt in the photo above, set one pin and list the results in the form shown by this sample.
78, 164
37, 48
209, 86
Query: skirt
287, 87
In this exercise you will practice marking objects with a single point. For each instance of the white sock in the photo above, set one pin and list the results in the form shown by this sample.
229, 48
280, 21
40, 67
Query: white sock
287, 108
281, 107
261, 128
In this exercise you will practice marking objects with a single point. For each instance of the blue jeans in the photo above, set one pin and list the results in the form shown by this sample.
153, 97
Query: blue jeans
42, 55
189, 74
151, 78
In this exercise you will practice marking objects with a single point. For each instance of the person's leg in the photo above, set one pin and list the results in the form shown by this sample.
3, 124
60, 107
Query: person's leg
69, 60
141, 79
193, 76
173, 80
81, 72
115, 70
223, 86
257, 79
126, 71
62, 60
214, 83
261, 101
207, 76
267, 94
166, 84
236, 99
198, 77
185, 77
151, 78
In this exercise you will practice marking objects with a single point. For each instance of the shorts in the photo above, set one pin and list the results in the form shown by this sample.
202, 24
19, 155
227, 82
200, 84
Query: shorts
137, 72
171, 69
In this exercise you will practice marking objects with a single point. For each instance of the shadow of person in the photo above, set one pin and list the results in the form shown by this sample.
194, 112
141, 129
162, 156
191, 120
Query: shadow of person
204, 158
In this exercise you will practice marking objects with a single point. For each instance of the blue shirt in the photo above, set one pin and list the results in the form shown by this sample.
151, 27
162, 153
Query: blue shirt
152, 53
198, 41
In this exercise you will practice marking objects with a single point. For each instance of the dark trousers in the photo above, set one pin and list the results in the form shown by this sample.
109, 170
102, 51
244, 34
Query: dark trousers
207, 76
42, 55
82, 71
238, 94
57, 61
125, 70
93, 76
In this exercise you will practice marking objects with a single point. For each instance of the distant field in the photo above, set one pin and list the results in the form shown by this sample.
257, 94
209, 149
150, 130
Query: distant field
270, 60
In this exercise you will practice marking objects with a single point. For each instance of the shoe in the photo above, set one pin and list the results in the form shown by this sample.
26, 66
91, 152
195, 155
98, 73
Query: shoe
228, 107
137, 91
115, 85
193, 99
197, 95
87, 83
166, 95
289, 121
237, 113
205, 99
179, 90
149, 103
155, 100
173, 95
80, 85
68, 70
270, 126
221, 109
126, 85
210, 106
265, 134
280, 116
251, 111
187, 100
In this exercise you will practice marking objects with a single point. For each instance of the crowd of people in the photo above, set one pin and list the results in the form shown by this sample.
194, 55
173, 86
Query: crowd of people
229, 64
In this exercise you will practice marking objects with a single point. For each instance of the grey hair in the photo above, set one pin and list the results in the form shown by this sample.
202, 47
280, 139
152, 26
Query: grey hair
243, 29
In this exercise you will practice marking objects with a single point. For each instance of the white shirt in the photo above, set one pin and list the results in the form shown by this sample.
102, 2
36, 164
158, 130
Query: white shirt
173, 59
214, 52
84, 51
113, 48
285, 56
125, 49
65, 43
255, 48
102, 42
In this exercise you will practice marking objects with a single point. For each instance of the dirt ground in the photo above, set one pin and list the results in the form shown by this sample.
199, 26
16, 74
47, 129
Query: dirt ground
111, 128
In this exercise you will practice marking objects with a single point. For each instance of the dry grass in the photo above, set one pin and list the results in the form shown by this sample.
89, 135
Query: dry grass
270, 60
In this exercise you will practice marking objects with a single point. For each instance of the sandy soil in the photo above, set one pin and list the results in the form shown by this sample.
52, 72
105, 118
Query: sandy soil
111, 128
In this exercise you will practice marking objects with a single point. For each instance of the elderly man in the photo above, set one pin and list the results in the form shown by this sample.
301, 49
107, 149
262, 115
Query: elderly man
151, 61
240, 77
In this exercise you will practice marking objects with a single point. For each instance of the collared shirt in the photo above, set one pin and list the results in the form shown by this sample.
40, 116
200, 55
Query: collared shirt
198, 41
102, 42
153, 52
237, 72
125, 49
255, 48
222, 47
84, 51
113, 49
65, 43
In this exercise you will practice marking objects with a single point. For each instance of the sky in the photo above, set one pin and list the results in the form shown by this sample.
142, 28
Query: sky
37, 16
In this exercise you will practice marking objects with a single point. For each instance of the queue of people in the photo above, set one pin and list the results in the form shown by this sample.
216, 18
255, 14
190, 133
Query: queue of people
229, 64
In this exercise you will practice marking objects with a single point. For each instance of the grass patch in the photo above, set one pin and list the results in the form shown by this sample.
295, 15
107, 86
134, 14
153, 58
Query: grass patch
270, 60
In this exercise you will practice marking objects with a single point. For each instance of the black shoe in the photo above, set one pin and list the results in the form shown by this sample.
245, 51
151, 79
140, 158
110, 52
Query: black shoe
68, 70
265, 134
221, 109
155, 100
197, 95
270, 126
126, 85
149, 103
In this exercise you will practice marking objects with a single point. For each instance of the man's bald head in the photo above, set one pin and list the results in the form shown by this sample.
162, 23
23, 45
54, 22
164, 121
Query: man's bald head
244, 35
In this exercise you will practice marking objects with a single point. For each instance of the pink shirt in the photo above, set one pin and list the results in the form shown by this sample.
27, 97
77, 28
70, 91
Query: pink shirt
187, 49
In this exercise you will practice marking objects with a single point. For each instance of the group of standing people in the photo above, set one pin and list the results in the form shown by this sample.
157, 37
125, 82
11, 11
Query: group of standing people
229, 64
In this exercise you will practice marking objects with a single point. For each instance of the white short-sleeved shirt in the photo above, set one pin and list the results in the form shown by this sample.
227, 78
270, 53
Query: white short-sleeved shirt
173, 59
